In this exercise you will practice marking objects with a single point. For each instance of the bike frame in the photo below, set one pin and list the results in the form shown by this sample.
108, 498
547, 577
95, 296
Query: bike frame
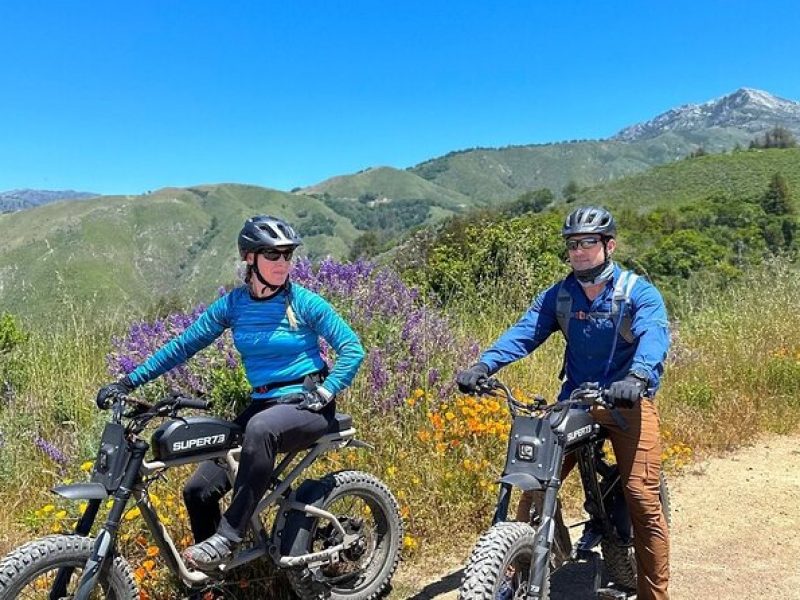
138, 474
545, 476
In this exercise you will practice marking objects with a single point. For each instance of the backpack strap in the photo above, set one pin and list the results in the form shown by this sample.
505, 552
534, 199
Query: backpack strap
621, 298
563, 309
563, 315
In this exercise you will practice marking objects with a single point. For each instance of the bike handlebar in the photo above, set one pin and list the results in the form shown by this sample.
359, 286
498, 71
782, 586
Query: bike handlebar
143, 411
587, 392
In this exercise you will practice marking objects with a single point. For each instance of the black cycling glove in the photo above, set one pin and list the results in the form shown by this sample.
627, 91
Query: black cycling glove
468, 380
627, 392
110, 392
315, 400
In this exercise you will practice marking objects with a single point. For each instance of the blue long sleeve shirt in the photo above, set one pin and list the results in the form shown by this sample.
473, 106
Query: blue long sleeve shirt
591, 339
271, 350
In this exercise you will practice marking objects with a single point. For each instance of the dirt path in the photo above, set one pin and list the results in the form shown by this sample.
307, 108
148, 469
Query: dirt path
735, 533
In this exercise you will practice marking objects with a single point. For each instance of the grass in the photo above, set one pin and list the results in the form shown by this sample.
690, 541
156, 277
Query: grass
733, 373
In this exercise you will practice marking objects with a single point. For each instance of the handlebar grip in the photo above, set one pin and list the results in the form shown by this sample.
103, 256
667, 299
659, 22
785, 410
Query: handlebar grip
192, 403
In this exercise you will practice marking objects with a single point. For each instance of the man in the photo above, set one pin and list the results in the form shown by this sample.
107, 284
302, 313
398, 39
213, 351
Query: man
621, 343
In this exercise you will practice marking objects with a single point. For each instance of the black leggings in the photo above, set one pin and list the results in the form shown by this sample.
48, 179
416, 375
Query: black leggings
269, 428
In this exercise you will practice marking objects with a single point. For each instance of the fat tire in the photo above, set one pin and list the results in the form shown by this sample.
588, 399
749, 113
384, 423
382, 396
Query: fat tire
334, 486
26, 563
619, 559
495, 550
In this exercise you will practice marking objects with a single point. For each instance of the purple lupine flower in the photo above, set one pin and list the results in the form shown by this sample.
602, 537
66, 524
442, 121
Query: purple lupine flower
50, 450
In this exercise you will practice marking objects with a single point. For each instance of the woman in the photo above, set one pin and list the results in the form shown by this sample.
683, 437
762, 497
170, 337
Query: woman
276, 328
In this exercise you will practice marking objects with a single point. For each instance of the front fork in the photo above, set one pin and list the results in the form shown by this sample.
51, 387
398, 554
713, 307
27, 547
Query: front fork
105, 543
543, 542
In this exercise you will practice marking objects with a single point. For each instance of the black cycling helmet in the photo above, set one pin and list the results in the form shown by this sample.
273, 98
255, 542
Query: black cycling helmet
264, 232
590, 219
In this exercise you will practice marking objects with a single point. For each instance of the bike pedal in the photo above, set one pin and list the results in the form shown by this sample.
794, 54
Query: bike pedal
612, 594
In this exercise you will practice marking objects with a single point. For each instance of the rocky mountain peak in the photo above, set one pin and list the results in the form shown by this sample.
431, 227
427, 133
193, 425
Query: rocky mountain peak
749, 109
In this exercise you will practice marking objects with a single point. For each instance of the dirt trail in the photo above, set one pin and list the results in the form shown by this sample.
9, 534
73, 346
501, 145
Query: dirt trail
735, 533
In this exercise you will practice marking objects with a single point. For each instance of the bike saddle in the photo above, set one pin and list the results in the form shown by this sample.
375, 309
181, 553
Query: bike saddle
342, 422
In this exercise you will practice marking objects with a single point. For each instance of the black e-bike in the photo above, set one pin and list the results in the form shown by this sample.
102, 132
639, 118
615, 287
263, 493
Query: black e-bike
516, 559
336, 537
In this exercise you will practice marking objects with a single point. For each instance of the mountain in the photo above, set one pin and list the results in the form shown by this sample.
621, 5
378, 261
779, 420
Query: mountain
14, 200
491, 175
748, 110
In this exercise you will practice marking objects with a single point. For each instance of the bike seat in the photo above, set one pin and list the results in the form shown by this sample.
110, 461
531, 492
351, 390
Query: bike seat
342, 422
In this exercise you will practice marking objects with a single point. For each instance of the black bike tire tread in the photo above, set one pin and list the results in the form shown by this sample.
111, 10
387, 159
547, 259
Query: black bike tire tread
488, 557
332, 481
26, 557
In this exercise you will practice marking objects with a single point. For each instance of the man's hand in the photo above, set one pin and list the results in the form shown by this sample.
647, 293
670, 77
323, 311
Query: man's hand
112, 391
627, 392
468, 380
315, 400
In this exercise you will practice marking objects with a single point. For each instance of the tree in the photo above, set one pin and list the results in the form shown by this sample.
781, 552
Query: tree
777, 137
365, 246
777, 199
530, 202
698, 152
683, 253
570, 191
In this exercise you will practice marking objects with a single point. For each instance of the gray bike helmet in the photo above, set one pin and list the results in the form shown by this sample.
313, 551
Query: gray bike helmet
264, 232
590, 219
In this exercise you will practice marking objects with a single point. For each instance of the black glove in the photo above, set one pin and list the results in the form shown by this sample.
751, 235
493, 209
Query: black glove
468, 380
314, 400
627, 392
110, 392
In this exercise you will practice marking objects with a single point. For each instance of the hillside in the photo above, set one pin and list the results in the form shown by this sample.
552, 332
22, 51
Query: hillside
389, 184
493, 176
124, 253
741, 174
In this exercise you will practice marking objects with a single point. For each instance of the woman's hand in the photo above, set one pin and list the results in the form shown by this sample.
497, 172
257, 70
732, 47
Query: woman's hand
112, 391
315, 400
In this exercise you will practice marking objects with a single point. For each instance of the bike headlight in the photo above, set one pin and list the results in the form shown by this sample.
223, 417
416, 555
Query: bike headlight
526, 451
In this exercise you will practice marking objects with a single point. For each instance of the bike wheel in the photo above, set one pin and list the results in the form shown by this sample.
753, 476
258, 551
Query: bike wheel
619, 559
500, 564
30, 570
363, 505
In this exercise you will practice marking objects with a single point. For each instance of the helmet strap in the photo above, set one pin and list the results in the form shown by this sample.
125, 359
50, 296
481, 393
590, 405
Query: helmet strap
598, 274
266, 285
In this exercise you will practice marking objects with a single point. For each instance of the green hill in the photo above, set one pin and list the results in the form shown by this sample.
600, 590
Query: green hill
125, 253
388, 201
740, 174
389, 184
490, 176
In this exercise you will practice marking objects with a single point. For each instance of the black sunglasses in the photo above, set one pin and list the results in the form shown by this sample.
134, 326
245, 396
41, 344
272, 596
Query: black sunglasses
273, 254
584, 243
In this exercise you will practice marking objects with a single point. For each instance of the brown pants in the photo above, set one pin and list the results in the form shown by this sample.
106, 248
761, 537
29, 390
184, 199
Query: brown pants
638, 452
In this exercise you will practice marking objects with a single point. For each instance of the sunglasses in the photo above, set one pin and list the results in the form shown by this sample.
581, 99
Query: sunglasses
273, 255
584, 243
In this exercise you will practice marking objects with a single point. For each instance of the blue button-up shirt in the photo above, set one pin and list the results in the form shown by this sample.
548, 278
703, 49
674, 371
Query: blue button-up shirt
590, 339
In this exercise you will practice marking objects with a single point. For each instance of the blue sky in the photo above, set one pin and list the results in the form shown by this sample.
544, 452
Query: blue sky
129, 96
